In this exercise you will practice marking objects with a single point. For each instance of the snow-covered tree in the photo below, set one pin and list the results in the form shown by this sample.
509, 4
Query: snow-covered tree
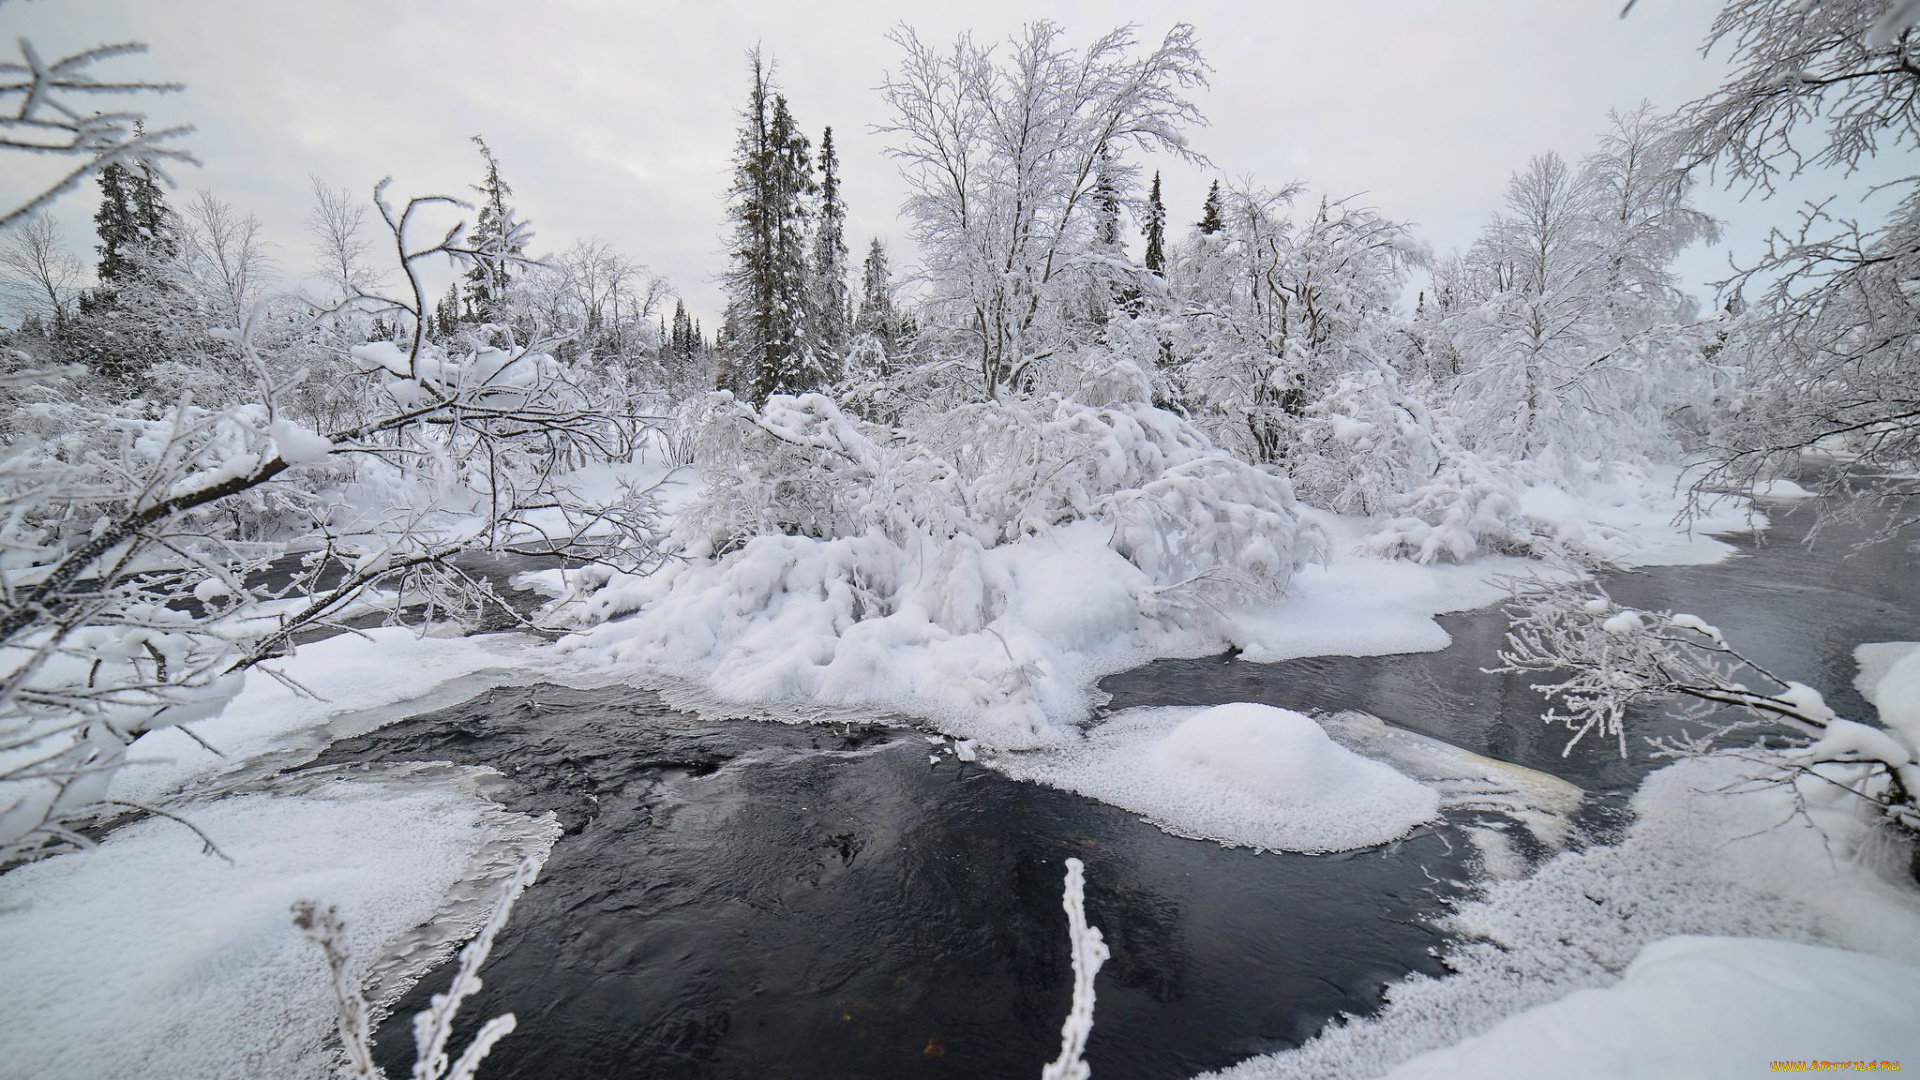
223, 262
831, 303
1001, 151
337, 224
1564, 328
38, 273
769, 330
1270, 311
491, 275
1155, 230
1210, 221
877, 317
126, 601
1830, 340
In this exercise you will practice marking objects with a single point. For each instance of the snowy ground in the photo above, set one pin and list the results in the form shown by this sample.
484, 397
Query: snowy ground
148, 959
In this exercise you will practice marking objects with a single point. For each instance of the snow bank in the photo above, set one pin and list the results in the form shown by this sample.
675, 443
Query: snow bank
147, 958
1357, 604
1700, 1007
1782, 489
1889, 679
1241, 774
1634, 519
1000, 644
1709, 854
355, 681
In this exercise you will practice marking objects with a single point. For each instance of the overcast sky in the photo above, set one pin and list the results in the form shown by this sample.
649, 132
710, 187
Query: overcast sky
617, 119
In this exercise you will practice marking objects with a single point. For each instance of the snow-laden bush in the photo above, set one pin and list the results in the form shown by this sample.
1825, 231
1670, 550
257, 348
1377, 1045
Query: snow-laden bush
1376, 447
995, 473
979, 564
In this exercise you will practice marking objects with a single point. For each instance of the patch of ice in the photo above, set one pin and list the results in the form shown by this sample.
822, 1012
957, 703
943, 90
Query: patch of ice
356, 681
1241, 774
147, 958
1542, 802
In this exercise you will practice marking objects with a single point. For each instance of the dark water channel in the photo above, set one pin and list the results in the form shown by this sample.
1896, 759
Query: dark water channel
750, 899
1797, 609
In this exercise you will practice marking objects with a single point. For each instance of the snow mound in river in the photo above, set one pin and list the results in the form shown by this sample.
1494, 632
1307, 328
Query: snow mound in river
1241, 774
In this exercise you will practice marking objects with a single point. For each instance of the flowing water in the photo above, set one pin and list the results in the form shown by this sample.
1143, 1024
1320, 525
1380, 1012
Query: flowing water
750, 899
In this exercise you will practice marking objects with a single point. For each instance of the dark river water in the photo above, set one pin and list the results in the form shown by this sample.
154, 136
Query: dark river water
751, 899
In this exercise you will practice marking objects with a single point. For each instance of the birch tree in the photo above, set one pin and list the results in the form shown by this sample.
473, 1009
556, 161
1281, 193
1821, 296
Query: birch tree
1001, 149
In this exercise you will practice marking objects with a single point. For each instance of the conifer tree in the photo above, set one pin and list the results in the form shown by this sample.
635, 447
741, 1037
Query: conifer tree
133, 216
1156, 230
1210, 220
446, 314
488, 278
1112, 284
137, 237
876, 316
769, 297
830, 259
680, 338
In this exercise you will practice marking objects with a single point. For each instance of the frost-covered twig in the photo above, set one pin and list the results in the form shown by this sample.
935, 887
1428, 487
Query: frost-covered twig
433, 1026
1089, 952
41, 113
1615, 658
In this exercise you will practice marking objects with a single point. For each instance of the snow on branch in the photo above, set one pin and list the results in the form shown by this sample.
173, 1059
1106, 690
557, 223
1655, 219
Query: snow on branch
432, 1026
1089, 951
44, 115
1616, 659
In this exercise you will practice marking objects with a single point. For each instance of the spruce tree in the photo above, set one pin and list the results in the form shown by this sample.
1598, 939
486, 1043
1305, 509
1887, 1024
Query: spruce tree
446, 314
679, 338
1110, 285
137, 237
768, 284
488, 278
133, 219
876, 316
1156, 230
1210, 220
830, 259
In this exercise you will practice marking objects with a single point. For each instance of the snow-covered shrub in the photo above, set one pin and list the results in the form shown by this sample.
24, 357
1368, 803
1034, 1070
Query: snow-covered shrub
976, 564
130, 531
996, 472
1376, 447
